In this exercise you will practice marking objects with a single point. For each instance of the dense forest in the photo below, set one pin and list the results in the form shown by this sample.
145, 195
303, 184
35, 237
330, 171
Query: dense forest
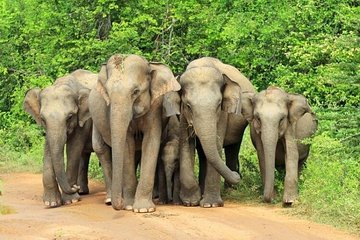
309, 47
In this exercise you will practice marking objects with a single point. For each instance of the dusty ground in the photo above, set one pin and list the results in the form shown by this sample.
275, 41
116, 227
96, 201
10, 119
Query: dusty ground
91, 219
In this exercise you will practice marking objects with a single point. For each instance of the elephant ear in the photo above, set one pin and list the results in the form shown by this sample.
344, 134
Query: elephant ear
162, 81
83, 112
171, 104
231, 96
297, 106
31, 104
100, 87
247, 106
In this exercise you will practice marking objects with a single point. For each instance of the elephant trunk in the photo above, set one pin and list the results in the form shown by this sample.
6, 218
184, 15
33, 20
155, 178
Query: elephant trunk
206, 130
269, 139
56, 138
169, 171
120, 118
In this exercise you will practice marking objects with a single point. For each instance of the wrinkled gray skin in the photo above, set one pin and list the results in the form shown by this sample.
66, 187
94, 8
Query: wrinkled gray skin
126, 107
167, 170
62, 109
170, 158
211, 115
279, 121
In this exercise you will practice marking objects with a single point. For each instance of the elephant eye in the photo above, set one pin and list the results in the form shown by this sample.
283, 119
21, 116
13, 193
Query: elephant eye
281, 120
218, 105
69, 116
136, 92
43, 121
189, 106
257, 119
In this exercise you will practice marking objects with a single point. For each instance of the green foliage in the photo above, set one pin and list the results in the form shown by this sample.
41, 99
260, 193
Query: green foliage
95, 170
330, 184
303, 46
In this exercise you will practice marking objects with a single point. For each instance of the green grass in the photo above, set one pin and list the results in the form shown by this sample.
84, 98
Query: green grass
4, 210
12, 161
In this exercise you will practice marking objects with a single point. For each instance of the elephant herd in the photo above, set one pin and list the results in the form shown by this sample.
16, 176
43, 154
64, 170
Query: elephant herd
136, 114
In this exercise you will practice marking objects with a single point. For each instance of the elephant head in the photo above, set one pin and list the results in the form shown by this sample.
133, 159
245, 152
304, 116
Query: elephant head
59, 108
131, 87
207, 92
273, 115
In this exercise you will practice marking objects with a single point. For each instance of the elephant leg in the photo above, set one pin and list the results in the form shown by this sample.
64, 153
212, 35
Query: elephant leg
82, 180
143, 196
150, 150
74, 150
161, 184
189, 188
202, 165
103, 153
291, 168
176, 188
211, 196
51, 196
129, 172
232, 159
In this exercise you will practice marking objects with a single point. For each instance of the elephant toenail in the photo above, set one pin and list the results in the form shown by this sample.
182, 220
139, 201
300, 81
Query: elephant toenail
207, 205
108, 201
128, 208
143, 210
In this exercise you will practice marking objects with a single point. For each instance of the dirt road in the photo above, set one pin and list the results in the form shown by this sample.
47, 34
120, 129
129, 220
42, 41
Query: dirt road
91, 219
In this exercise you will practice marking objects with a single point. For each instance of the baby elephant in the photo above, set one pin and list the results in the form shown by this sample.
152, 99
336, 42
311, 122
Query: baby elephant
279, 121
170, 159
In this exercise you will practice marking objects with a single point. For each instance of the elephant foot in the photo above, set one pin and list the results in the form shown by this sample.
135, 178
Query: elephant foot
190, 198
176, 201
128, 204
107, 201
108, 198
268, 198
211, 202
144, 206
70, 198
159, 201
52, 198
117, 204
288, 200
84, 190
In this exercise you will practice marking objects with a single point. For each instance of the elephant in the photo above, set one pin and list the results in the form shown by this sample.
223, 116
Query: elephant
170, 159
62, 109
126, 108
168, 184
278, 122
210, 120
167, 169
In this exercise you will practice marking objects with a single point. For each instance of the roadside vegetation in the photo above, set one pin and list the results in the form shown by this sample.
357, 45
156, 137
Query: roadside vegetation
303, 46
